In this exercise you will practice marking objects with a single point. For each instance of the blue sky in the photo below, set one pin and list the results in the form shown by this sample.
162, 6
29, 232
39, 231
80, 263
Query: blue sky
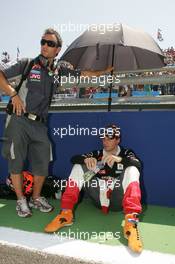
22, 22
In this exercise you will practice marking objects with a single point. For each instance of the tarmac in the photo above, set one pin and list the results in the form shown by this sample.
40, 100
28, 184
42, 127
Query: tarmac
18, 255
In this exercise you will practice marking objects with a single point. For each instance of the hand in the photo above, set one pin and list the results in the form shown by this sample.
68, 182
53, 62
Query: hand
65, 64
90, 163
18, 105
110, 159
96, 73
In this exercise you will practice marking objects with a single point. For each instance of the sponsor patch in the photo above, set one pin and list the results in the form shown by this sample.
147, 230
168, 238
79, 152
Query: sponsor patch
119, 166
35, 73
35, 77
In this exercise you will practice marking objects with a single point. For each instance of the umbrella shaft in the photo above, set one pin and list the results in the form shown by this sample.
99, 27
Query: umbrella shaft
110, 87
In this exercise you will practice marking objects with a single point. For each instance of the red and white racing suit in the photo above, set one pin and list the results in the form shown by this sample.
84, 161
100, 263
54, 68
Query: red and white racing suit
117, 186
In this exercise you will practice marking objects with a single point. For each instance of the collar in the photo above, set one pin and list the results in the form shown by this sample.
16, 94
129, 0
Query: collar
116, 154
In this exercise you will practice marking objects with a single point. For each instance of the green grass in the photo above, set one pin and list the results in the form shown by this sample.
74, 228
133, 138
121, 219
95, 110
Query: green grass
157, 224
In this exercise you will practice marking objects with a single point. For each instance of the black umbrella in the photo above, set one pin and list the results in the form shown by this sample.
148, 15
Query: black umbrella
120, 46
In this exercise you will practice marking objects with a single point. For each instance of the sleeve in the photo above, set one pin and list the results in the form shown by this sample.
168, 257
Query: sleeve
79, 159
15, 70
65, 68
69, 72
129, 158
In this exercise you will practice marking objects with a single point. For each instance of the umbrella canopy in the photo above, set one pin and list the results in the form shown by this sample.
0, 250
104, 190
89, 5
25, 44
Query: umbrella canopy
121, 46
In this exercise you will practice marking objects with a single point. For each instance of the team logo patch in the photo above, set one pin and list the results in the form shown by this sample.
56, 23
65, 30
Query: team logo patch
35, 76
35, 73
120, 168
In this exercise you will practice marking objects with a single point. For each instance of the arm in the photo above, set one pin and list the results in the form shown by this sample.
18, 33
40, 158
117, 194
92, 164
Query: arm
126, 157
129, 158
12, 72
96, 73
67, 69
5, 86
69, 72
79, 159
89, 159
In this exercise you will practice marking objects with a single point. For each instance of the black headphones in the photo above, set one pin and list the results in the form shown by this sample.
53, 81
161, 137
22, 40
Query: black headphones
44, 62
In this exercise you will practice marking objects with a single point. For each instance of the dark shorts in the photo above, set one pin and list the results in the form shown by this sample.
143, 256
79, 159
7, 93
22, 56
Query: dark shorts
26, 139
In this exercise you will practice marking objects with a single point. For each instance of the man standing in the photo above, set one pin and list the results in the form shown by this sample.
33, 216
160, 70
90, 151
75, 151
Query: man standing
111, 178
26, 131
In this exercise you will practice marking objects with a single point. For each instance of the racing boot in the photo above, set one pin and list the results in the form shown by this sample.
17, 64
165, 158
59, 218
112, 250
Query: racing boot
131, 232
65, 218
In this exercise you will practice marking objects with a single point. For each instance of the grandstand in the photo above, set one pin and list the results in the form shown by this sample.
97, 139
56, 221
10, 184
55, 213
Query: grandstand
169, 56
140, 83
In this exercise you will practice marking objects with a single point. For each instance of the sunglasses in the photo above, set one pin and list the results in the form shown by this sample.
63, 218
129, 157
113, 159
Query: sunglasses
50, 43
108, 136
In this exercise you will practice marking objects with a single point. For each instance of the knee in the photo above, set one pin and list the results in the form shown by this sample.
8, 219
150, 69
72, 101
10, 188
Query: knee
132, 170
77, 167
76, 175
131, 174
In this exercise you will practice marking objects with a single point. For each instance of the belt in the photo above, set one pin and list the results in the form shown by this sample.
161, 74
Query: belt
34, 117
